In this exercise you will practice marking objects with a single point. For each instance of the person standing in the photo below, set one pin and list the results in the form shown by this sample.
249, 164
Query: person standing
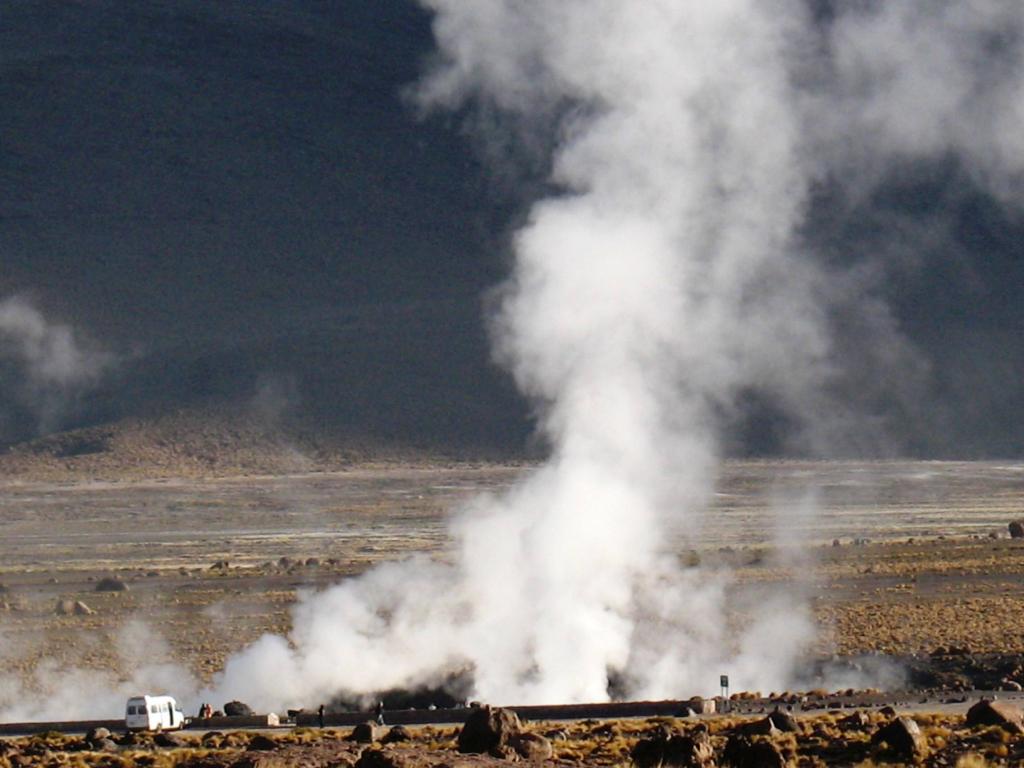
320, 715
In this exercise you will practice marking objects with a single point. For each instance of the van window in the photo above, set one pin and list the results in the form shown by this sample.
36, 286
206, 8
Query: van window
153, 708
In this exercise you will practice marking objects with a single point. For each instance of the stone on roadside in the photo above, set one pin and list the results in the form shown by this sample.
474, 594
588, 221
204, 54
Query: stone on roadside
261, 743
531, 746
672, 749
488, 730
170, 740
396, 734
238, 709
784, 721
1001, 713
366, 733
742, 752
903, 736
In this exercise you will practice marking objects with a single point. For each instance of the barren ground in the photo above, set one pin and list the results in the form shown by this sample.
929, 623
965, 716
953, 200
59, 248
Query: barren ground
927, 575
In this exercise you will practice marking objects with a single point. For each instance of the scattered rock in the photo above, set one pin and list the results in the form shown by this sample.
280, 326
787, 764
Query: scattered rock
313, 562
762, 727
1012, 685
170, 740
488, 730
104, 745
857, 721
261, 743
366, 733
64, 607
238, 709
95, 734
384, 758
1001, 713
784, 721
903, 737
741, 752
1017, 529
81, 609
220, 565
110, 584
691, 751
396, 734
531, 746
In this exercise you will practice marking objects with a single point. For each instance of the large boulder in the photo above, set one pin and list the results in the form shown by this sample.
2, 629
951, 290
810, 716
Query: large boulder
903, 736
170, 740
784, 721
1017, 529
488, 730
396, 734
531, 746
743, 752
366, 733
1001, 713
679, 751
763, 727
261, 743
238, 709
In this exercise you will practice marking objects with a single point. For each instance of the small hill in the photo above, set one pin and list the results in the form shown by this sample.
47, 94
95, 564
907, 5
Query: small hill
202, 442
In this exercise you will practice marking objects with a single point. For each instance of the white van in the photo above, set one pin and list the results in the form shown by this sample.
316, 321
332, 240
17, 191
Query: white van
153, 713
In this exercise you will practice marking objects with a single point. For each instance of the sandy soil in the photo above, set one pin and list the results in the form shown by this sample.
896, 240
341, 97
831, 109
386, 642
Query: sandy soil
211, 564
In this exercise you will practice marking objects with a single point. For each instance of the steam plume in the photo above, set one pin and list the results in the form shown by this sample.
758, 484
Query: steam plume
47, 365
654, 286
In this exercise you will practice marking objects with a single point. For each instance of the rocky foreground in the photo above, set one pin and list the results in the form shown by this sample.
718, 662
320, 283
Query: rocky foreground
991, 733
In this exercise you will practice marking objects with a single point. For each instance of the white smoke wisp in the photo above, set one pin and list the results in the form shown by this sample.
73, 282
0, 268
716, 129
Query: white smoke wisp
57, 691
53, 363
645, 295
923, 79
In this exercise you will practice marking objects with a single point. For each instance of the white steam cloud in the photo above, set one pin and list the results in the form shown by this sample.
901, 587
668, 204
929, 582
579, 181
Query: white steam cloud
47, 364
58, 692
662, 280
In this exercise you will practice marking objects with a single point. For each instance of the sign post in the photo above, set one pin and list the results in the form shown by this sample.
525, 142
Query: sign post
723, 680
